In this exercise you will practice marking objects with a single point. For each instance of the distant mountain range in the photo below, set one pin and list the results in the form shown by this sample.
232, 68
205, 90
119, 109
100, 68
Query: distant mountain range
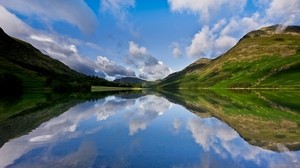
265, 58
36, 70
133, 81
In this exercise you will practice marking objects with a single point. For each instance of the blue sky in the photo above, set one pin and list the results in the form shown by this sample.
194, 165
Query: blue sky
143, 38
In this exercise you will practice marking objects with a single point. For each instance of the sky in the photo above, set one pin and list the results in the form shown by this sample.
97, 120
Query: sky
148, 39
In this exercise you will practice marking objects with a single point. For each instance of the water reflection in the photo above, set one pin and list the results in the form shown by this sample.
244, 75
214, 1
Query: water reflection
214, 136
133, 131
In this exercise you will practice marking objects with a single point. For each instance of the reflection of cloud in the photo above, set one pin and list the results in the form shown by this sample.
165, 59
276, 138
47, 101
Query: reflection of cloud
68, 125
177, 124
84, 156
150, 107
215, 136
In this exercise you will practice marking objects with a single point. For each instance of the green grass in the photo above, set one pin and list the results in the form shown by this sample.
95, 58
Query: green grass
105, 88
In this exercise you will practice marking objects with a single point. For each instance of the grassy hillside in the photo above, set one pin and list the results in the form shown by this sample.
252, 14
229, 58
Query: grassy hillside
263, 58
38, 71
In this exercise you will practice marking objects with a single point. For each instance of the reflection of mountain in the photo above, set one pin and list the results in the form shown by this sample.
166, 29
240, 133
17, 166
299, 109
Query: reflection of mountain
257, 118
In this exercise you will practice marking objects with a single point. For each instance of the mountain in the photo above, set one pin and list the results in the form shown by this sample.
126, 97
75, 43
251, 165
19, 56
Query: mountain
131, 80
265, 58
20, 61
134, 81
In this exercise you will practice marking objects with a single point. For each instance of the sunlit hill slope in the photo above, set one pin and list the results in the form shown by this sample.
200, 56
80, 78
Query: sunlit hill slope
265, 58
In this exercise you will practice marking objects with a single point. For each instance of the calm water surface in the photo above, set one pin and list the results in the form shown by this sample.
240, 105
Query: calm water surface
141, 131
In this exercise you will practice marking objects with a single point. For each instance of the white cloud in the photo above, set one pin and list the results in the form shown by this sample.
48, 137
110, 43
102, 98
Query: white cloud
176, 50
75, 12
284, 12
224, 42
12, 24
149, 67
202, 44
135, 50
209, 43
208, 10
111, 68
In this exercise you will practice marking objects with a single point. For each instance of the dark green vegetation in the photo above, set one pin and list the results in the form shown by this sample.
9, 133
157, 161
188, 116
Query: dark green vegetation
21, 63
263, 58
262, 118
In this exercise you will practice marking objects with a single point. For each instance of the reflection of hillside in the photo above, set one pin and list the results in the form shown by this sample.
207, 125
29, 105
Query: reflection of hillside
21, 116
255, 118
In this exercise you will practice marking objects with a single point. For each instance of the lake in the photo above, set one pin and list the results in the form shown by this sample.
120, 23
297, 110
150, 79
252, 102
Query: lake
167, 129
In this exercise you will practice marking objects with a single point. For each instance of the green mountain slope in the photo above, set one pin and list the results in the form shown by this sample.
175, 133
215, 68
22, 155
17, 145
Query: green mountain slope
263, 58
37, 70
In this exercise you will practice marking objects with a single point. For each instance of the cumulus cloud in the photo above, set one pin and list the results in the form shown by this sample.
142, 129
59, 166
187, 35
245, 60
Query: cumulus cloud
284, 12
149, 67
207, 43
75, 12
135, 50
111, 68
